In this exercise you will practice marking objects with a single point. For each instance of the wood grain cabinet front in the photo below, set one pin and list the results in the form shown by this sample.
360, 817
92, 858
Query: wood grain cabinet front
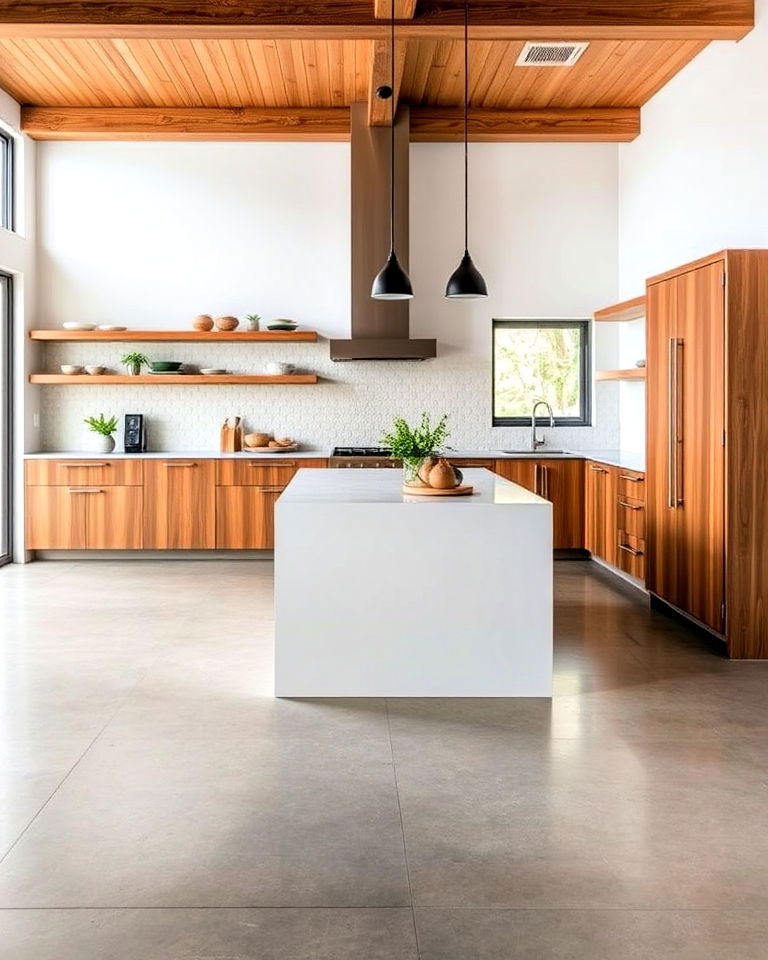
561, 482
86, 472
601, 531
245, 517
84, 518
180, 504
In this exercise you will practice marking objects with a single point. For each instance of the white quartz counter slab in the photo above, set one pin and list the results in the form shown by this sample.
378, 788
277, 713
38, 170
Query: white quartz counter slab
385, 487
179, 455
617, 458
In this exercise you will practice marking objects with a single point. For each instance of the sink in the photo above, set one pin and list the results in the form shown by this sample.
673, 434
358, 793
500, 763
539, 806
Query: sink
547, 452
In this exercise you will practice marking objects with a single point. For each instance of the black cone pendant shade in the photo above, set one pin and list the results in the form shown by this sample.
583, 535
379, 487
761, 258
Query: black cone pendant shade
391, 282
466, 282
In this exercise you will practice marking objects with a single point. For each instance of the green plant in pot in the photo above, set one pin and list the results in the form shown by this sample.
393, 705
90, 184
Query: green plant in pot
253, 320
413, 445
134, 362
104, 442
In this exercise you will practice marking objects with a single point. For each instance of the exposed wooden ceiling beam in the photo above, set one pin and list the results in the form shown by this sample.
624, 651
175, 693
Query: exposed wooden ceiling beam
355, 19
404, 9
320, 124
187, 123
598, 125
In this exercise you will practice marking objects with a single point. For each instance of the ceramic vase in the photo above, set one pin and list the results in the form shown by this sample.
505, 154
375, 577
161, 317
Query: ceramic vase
102, 444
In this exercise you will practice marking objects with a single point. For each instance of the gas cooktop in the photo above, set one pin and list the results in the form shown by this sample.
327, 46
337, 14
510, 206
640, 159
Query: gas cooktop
361, 452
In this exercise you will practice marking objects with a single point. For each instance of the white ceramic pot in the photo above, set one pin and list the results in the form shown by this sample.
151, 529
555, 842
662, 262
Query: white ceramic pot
275, 369
102, 444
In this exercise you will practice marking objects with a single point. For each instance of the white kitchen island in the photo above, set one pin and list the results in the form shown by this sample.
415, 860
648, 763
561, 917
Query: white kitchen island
378, 594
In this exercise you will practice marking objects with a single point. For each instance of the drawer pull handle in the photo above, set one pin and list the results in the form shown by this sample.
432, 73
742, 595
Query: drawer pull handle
274, 463
179, 463
90, 463
84, 490
626, 476
271, 489
628, 549
598, 469
630, 506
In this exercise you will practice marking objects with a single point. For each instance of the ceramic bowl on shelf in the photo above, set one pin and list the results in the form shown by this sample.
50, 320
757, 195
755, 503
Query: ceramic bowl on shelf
164, 366
73, 325
227, 324
94, 371
71, 369
281, 323
276, 369
212, 372
111, 326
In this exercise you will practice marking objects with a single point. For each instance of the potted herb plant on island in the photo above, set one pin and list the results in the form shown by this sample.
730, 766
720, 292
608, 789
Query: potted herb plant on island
415, 445
134, 362
104, 442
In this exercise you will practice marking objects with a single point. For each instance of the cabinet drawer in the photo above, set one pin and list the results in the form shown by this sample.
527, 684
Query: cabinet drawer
55, 518
632, 485
256, 473
630, 515
631, 554
74, 472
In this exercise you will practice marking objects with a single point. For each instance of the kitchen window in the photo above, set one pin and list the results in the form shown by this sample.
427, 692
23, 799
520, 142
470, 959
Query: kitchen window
6, 467
6, 180
541, 360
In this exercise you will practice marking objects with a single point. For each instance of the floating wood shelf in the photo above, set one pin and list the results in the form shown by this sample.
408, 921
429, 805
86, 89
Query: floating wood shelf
181, 380
635, 373
622, 312
205, 336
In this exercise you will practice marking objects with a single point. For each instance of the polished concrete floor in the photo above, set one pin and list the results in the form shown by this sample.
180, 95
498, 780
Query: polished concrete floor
155, 803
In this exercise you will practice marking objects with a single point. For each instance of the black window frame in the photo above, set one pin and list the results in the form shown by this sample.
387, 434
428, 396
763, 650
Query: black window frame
7, 187
7, 419
585, 371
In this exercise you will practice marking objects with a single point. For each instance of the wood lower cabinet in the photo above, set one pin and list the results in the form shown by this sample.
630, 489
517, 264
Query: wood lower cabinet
55, 519
245, 517
561, 482
180, 504
601, 532
84, 518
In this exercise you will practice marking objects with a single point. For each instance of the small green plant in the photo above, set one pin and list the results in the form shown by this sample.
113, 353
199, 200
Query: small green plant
253, 320
101, 425
134, 362
412, 444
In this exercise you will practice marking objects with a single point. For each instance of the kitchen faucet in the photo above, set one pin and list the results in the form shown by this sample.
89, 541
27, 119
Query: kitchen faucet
537, 442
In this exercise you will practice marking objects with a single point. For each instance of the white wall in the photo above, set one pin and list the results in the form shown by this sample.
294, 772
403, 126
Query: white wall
696, 180
17, 257
150, 235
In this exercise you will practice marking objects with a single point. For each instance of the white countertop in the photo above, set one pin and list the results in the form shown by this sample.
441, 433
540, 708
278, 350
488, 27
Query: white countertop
615, 458
179, 455
385, 486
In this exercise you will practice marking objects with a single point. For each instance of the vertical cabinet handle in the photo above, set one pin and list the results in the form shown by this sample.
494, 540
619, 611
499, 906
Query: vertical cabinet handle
673, 440
541, 480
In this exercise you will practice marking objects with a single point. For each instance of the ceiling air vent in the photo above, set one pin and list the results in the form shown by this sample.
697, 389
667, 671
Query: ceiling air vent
550, 53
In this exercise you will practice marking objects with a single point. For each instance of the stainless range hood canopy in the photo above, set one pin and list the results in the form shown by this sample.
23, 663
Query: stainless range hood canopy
380, 328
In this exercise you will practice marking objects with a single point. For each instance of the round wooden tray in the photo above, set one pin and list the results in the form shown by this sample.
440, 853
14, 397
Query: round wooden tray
277, 450
434, 492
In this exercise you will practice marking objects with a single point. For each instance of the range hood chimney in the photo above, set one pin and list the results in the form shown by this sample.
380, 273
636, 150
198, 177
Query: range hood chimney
379, 327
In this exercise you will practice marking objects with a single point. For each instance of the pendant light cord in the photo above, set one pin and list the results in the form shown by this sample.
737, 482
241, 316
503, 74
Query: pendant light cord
466, 126
392, 136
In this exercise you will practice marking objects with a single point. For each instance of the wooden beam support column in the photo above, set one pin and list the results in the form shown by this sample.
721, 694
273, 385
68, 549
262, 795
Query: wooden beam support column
380, 111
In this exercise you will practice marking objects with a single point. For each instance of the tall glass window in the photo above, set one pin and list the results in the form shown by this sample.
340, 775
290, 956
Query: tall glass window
6, 466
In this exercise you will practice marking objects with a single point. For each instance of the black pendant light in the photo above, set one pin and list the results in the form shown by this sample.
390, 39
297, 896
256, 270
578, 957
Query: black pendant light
466, 282
391, 283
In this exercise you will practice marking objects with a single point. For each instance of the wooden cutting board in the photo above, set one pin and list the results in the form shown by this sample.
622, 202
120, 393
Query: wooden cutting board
434, 492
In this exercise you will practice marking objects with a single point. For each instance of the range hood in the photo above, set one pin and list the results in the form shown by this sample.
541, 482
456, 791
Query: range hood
379, 327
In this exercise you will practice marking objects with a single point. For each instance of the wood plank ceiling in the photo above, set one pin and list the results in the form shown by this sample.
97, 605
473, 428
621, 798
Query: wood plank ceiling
66, 65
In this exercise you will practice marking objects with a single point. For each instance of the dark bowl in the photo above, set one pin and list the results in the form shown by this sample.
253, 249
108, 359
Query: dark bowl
164, 366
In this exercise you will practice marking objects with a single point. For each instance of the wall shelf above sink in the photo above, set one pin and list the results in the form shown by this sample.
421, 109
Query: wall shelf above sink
634, 373
179, 380
178, 336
